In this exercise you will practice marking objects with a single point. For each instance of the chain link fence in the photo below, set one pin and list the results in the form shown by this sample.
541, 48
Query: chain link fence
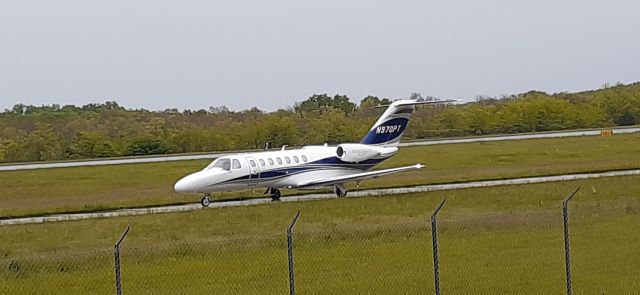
513, 252
90, 272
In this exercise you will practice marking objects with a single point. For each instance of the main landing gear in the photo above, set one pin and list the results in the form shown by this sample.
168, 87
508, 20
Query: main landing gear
205, 200
340, 190
275, 194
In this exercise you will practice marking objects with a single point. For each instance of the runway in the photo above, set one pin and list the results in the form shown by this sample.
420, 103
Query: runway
311, 197
218, 154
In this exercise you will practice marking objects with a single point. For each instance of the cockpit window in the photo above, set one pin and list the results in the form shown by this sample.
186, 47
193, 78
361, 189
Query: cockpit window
222, 163
236, 164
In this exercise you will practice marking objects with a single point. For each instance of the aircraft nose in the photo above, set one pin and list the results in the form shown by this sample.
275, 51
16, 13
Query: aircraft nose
184, 185
198, 182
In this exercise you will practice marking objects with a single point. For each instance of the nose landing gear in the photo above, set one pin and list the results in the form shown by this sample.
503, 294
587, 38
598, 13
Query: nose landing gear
205, 200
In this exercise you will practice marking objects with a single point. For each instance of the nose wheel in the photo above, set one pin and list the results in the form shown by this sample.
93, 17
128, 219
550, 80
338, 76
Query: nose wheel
205, 201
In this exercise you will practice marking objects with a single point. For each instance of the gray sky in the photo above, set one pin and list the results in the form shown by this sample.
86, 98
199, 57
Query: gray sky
270, 54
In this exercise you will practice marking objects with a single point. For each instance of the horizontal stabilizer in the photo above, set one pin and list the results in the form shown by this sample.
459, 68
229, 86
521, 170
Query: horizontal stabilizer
415, 102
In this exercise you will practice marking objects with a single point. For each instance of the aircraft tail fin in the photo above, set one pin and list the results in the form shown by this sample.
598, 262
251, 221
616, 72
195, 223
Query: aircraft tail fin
391, 125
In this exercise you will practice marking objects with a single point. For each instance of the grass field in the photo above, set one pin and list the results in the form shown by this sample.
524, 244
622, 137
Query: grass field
492, 240
104, 187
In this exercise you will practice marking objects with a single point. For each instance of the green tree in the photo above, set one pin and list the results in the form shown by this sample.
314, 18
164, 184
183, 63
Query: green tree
146, 147
43, 145
323, 102
11, 151
92, 145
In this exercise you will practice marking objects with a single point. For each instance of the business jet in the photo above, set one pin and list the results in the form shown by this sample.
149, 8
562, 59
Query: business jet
309, 167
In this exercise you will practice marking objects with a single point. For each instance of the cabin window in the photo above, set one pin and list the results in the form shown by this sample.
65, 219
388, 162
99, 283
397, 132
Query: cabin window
295, 159
222, 163
287, 160
279, 160
304, 158
261, 162
236, 164
253, 163
270, 161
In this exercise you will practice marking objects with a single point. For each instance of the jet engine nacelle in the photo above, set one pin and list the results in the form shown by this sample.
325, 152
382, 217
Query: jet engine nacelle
355, 152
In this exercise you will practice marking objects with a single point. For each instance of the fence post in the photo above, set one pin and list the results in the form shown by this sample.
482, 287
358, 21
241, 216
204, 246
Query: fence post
292, 283
434, 236
567, 253
117, 258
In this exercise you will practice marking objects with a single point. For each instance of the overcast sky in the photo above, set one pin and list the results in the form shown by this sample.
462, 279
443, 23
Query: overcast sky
270, 54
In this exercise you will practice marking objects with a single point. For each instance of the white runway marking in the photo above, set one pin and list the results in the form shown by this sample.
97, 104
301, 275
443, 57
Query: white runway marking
215, 155
363, 193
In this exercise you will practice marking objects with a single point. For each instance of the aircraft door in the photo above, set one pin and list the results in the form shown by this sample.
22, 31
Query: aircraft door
254, 171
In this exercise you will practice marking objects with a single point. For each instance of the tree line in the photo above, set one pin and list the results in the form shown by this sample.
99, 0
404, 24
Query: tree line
54, 132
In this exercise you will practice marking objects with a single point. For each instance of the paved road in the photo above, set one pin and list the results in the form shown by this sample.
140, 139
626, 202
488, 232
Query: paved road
524, 136
363, 193
215, 155
109, 162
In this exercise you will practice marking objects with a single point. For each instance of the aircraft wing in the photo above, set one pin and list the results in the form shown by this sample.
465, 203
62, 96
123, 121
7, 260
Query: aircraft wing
356, 176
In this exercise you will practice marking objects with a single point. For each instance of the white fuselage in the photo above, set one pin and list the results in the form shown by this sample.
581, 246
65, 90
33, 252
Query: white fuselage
272, 169
309, 167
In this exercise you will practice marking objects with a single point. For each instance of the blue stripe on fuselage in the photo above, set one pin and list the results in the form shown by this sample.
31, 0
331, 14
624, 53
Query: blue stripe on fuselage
337, 161
326, 163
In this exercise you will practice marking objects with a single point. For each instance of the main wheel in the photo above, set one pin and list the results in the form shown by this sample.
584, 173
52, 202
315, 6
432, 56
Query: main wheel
340, 190
275, 194
205, 201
